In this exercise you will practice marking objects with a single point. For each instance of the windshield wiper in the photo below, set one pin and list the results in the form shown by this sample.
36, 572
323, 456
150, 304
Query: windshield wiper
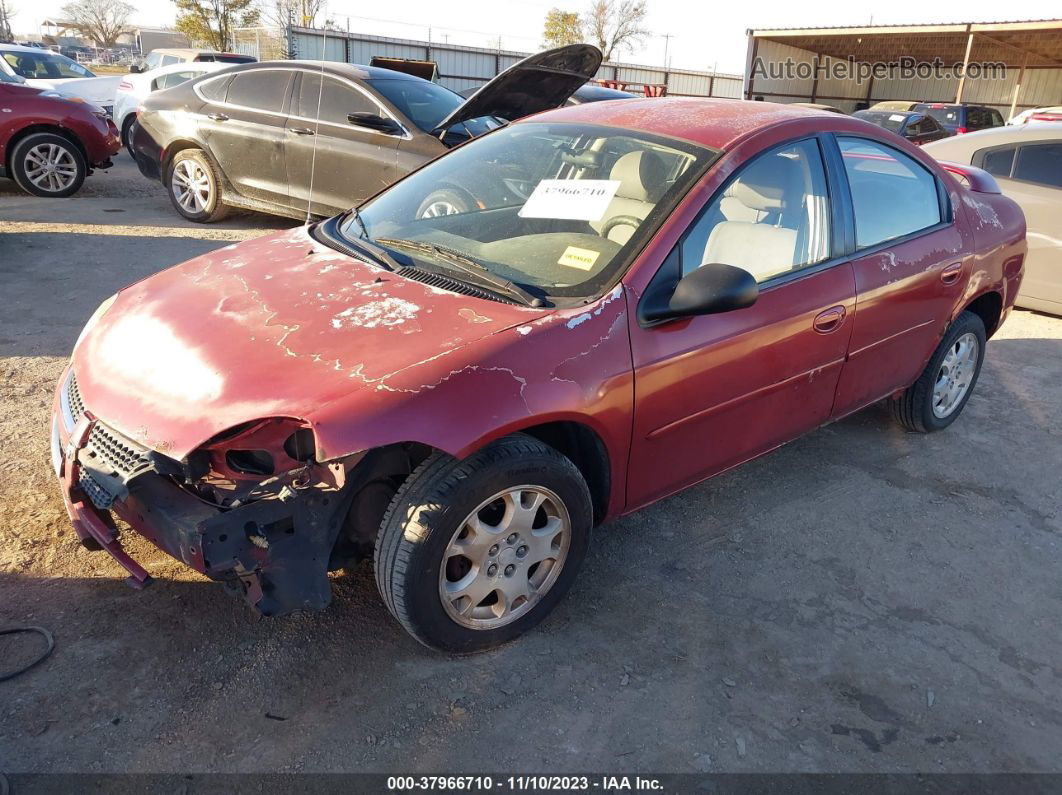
365, 245
469, 266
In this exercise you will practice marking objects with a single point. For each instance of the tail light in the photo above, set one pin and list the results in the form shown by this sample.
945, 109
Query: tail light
125, 85
1046, 117
960, 130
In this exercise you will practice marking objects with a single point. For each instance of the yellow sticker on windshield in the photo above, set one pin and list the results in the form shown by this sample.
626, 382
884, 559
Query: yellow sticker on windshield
581, 258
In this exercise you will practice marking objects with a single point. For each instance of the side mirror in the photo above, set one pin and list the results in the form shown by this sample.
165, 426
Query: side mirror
135, 68
708, 290
374, 122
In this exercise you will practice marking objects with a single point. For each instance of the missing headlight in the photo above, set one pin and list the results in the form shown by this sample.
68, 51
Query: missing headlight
250, 462
300, 446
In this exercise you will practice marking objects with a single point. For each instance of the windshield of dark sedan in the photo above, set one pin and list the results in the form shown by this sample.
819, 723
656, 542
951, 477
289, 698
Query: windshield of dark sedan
882, 118
423, 103
43, 65
556, 207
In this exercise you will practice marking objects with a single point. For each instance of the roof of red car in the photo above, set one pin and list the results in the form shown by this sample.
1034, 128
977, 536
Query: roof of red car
710, 122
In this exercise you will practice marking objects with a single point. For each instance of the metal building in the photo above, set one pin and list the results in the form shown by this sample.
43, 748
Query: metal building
1010, 66
462, 67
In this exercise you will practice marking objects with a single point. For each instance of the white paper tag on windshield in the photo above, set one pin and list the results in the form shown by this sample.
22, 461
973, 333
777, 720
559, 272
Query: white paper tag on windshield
897, 117
570, 199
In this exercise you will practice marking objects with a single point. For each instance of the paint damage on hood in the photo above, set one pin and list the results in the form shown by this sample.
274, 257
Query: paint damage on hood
279, 326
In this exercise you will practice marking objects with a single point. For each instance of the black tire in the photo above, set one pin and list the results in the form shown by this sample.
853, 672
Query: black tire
214, 207
914, 409
445, 201
127, 129
433, 504
31, 147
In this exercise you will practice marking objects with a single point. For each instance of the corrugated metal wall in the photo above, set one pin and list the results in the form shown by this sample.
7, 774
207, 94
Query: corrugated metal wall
462, 67
1041, 86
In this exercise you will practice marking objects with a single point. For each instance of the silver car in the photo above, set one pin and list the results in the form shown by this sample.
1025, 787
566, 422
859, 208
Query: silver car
1027, 162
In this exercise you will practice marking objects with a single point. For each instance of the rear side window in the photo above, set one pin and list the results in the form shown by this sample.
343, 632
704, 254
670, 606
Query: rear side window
215, 89
892, 195
1040, 163
261, 89
336, 98
944, 115
998, 161
172, 79
169, 59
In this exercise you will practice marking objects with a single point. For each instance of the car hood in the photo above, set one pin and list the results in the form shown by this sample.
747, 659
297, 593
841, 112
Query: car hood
279, 326
539, 82
99, 90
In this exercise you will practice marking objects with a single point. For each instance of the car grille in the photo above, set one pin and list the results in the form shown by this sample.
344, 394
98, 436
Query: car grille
108, 453
74, 401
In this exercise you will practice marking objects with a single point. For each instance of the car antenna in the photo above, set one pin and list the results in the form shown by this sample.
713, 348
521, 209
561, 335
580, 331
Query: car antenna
316, 127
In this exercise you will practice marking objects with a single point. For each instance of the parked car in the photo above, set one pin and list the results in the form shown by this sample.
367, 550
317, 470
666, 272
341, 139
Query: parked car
1027, 163
589, 92
895, 104
175, 55
134, 88
817, 106
961, 119
48, 144
260, 136
49, 70
918, 128
1036, 115
682, 286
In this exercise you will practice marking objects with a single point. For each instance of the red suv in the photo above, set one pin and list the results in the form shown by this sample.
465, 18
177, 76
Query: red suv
48, 143
641, 295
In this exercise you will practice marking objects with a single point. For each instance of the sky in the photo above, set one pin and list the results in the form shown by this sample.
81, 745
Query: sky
694, 35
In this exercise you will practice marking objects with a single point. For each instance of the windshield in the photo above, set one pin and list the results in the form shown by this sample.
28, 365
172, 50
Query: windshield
890, 121
5, 77
423, 103
44, 65
943, 115
554, 207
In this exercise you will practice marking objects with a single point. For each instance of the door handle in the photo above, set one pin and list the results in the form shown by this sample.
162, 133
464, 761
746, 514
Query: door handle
301, 130
830, 319
217, 116
951, 274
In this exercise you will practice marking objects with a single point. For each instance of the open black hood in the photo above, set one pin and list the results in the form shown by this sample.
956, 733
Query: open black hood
540, 82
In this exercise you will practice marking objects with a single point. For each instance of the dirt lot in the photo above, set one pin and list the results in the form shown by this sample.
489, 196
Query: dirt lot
861, 600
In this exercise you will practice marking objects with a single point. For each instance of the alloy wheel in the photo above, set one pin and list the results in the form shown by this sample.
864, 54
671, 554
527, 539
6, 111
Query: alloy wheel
504, 557
955, 375
51, 167
435, 209
191, 186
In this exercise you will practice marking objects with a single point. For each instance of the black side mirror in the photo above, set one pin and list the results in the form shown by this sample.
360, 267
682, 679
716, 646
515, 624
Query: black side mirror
374, 122
708, 290
135, 68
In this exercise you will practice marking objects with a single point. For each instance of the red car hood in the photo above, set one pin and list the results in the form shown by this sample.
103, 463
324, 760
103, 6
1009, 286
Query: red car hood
278, 326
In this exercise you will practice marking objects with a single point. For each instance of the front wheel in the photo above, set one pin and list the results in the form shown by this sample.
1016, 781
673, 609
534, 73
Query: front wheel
46, 164
473, 553
195, 187
939, 395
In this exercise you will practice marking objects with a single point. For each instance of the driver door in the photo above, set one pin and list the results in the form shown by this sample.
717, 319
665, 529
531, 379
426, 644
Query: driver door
715, 390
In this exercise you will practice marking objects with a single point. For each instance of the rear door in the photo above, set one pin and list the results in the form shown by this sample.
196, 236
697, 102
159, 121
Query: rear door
716, 390
908, 268
245, 132
343, 162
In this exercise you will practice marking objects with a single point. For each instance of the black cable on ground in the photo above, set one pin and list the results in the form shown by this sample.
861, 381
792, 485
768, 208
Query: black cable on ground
43, 655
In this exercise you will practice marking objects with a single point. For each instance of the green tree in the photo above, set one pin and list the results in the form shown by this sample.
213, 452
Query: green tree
101, 21
561, 28
212, 23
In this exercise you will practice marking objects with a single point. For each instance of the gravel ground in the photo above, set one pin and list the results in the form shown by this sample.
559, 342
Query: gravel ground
861, 600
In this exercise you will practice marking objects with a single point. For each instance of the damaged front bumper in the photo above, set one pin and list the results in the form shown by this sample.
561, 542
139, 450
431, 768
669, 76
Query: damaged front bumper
274, 550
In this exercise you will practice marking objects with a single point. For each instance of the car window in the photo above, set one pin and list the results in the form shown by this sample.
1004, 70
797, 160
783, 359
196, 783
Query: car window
337, 99
169, 59
558, 207
423, 103
1040, 163
773, 219
997, 161
172, 79
215, 88
892, 195
943, 114
152, 61
995, 118
44, 65
261, 89
6, 77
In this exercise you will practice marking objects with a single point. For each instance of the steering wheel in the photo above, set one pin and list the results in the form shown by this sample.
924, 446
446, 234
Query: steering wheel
619, 220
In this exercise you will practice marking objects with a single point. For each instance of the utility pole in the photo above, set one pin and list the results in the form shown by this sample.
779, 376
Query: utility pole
667, 41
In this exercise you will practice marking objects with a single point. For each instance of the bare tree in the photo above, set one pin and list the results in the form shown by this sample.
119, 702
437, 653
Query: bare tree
281, 13
6, 12
561, 28
102, 21
616, 26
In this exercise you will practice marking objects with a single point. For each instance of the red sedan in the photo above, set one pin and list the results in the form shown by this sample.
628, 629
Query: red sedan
48, 143
644, 294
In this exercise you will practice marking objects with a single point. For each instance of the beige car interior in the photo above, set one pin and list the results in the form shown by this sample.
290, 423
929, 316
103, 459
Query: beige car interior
643, 180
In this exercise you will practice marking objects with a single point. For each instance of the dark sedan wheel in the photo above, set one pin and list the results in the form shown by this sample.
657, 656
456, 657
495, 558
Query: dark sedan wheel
472, 553
127, 135
46, 164
195, 187
937, 398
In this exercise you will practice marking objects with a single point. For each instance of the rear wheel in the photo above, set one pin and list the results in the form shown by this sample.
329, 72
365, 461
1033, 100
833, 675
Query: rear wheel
446, 201
127, 135
473, 553
46, 164
939, 395
195, 187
